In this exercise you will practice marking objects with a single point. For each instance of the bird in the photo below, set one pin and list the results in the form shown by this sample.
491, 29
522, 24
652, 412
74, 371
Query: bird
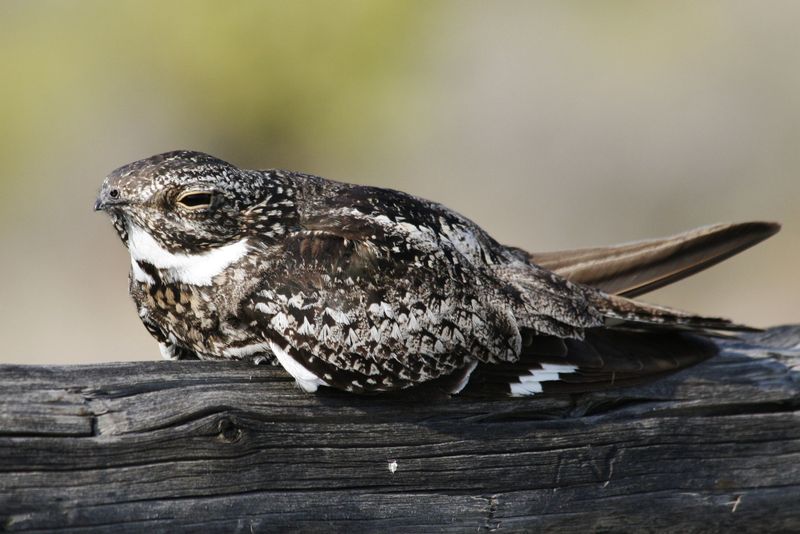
371, 290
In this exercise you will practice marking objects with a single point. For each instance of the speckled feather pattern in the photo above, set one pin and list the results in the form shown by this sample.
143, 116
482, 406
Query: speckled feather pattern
368, 289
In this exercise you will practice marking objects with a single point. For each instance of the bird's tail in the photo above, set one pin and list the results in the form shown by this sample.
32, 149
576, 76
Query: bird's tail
604, 358
639, 341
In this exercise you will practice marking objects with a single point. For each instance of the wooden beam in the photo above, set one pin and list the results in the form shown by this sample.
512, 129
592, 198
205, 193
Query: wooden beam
175, 446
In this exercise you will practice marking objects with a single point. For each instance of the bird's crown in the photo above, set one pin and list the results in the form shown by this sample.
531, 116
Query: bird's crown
192, 202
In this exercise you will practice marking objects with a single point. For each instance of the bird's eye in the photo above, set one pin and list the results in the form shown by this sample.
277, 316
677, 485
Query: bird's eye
195, 200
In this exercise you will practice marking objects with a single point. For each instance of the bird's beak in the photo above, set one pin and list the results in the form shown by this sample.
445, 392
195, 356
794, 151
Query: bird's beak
109, 198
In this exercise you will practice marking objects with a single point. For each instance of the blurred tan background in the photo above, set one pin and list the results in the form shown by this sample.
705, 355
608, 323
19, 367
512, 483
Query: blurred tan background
552, 124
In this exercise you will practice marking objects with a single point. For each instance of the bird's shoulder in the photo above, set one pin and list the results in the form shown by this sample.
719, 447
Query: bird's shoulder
396, 221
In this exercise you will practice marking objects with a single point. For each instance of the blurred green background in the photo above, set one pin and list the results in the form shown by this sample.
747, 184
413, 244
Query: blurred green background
552, 124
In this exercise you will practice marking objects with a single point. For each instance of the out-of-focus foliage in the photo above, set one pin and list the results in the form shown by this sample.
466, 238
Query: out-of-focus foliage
272, 78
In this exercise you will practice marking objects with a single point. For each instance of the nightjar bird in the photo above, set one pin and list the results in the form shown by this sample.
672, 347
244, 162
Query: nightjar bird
372, 290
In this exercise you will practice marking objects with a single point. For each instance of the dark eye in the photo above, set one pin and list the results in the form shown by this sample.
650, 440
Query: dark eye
195, 199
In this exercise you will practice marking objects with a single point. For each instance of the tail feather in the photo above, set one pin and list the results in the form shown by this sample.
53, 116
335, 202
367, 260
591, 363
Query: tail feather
636, 268
605, 358
639, 342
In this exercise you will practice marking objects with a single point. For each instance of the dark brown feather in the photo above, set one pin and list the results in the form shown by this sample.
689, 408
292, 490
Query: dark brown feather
622, 312
604, 358
635, 268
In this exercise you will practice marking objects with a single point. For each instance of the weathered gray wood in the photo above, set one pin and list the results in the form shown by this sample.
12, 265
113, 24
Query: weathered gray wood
180, 446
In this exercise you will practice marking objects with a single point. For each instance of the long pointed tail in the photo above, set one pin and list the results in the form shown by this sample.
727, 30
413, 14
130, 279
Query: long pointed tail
639, 341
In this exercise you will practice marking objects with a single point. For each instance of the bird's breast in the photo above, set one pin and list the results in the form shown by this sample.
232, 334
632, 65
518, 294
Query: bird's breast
199, 317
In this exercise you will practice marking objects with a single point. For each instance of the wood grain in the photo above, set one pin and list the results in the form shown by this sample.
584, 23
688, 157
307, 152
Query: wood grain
188, 446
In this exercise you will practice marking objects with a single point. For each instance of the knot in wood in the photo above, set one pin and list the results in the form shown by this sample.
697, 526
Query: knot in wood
228, 430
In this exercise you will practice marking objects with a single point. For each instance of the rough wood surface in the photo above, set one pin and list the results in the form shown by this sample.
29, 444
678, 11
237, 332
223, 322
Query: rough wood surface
176, 446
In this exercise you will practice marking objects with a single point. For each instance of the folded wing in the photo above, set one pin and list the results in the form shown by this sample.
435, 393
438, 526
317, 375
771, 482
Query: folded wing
636, 268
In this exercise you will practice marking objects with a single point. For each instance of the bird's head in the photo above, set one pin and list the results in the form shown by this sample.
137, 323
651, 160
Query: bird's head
190, 202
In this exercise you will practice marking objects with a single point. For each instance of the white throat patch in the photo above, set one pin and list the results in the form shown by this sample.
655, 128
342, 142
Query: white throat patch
193, 269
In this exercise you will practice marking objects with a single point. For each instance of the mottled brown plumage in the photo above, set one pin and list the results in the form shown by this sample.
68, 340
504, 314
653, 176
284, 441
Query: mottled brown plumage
370, 290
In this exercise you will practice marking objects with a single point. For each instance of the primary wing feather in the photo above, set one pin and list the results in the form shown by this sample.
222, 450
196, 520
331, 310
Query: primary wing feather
633, 269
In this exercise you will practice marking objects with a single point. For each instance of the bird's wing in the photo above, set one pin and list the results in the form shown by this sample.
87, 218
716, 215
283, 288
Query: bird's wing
349, 303
635, 268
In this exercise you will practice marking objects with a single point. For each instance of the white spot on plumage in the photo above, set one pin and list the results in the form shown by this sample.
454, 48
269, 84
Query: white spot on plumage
375, 334
352, 338
531, 383
306, 329
338, 316
308, 381
270, 308
383, 220
539, 376
413, 325
430, 316
524, 389
559, 368
247, 350
324, 333
167, 351
296, 301
193, 269
458, 337
280, 321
